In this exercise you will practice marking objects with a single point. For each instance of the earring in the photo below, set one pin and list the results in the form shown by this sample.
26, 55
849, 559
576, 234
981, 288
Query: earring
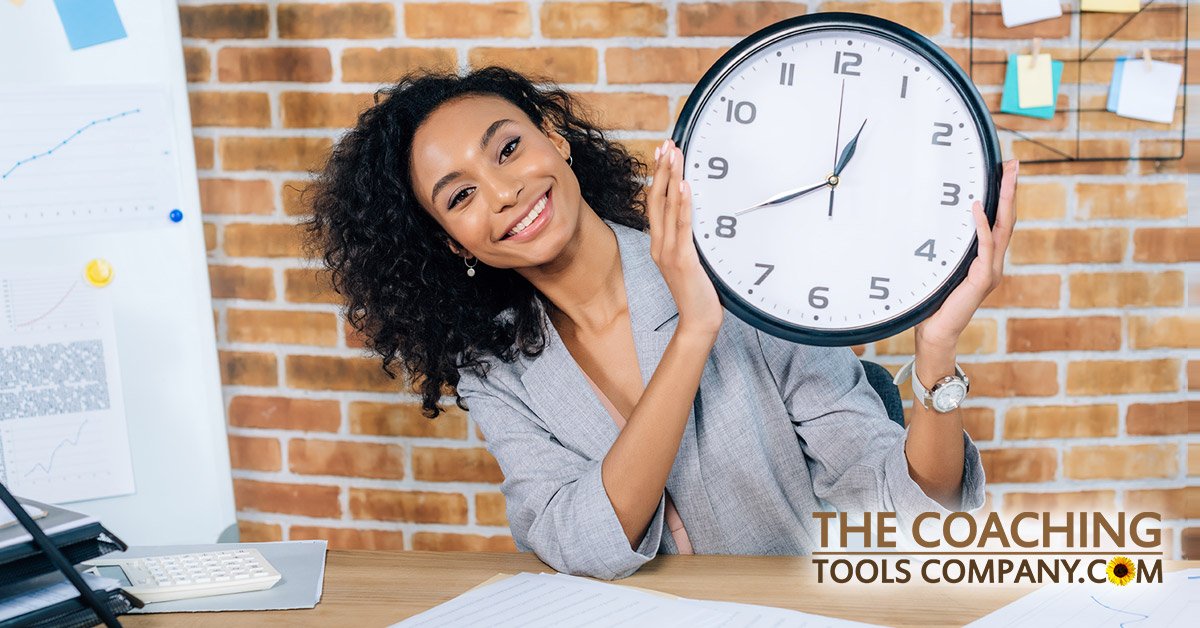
570, 160
470, 267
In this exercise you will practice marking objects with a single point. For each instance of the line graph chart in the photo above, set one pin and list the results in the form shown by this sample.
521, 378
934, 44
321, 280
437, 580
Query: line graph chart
63, 433
84, 160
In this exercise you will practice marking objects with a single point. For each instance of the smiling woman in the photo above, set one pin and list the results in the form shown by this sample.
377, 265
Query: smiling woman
489, 237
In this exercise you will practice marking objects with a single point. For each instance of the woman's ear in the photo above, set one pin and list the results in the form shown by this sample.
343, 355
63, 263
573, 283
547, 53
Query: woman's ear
560, 142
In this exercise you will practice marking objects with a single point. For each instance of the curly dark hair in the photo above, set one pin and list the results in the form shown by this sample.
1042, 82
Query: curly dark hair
404, 290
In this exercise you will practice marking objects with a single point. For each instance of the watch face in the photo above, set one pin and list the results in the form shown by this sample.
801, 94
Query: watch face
949, 396
835, 260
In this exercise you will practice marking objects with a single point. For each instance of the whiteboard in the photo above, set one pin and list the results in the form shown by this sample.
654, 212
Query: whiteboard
160, 301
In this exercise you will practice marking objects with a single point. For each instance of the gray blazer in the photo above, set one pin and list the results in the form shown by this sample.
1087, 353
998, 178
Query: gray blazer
777, 431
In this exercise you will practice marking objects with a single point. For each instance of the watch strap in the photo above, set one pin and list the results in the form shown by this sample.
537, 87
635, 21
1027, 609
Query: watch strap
926, 396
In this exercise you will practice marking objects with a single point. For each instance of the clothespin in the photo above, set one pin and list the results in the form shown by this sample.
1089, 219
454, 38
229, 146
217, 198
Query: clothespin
1146, 58
1037, 49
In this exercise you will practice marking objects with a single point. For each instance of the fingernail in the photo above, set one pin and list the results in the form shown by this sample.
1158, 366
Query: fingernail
657, 152
672, 157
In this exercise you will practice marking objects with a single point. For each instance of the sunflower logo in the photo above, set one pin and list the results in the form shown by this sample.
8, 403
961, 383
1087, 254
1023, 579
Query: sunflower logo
1120, 571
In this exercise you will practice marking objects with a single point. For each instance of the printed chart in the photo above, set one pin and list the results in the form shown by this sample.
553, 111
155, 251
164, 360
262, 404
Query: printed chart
84, 160
62, 419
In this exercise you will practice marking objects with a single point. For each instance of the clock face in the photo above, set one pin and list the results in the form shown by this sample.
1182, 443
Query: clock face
851, 257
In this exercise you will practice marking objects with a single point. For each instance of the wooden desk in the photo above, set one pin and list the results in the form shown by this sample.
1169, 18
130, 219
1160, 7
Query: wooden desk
377, 588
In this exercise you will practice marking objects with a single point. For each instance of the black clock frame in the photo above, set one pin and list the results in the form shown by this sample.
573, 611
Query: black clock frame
938, 58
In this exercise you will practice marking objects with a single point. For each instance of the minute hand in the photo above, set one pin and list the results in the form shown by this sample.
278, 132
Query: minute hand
783, 197
848, 151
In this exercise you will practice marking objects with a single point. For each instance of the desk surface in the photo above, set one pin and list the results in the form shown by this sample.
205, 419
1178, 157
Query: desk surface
376, 588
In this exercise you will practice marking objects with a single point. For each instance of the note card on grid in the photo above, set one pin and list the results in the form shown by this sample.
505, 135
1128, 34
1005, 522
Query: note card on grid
1010, 103
1035, 81
1148, 90
1111, 6
1018, 12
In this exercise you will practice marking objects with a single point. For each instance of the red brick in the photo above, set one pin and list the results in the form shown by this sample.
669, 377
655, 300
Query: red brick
224, 21
374, 65
1094, 333
241, 282
285, 413
350, 20
978, 337
262, 240
300, 65
490, 509
1036, 464
350, 538
570, 20
923, 17
306, 285
294, 202
412, 506
282, 327
1013, 379
1022, 291
204, 147
1162, 419
1060, 422
627, 111
1041, 147
444, 464
236, 196
240, 368
255, 454
1114, 377
448, 542
1074, 501
1122, 200
274, 153
363, 460
314, 110
1167, 244
319, 372
210, 239
728, 19
1068, 246
1126, 289
462, 20
230, 109
659, 65
562, 65
1121, 462
294, 499
256, 532
1172, 503
405, 419
988, 24
1182, 332
197, 65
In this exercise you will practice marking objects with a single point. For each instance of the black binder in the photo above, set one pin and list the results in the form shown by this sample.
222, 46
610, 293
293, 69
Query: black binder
73, 538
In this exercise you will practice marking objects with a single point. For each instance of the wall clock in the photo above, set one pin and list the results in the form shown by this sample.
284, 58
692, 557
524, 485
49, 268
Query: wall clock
834, 159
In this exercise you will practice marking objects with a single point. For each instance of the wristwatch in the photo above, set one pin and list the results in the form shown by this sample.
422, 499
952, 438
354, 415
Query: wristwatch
947, 393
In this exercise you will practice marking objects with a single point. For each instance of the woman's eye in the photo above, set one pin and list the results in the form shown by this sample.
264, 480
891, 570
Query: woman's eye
505, 151
454, 201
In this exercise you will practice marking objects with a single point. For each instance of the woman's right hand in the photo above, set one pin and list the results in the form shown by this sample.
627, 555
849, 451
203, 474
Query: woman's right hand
669, 208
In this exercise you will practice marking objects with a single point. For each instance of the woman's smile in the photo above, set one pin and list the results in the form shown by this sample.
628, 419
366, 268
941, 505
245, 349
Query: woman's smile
533, 222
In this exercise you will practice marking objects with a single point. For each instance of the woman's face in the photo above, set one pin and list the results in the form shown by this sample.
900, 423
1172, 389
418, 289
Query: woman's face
482, 169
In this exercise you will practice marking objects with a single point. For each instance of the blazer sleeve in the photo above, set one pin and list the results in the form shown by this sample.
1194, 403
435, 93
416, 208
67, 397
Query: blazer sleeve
855, 452
556, 503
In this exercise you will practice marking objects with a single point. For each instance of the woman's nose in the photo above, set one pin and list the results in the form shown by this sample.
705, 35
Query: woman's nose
507, 191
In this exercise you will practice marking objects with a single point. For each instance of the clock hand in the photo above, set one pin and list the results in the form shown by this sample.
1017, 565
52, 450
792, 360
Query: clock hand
848, 151
783, 197
837, 138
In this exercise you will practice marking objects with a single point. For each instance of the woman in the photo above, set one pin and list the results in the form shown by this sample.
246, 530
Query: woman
491, 238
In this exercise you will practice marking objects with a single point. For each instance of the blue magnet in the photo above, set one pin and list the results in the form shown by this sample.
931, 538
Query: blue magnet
176, 215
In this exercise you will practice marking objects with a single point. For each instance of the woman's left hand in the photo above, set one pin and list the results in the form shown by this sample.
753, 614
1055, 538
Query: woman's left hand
941, 330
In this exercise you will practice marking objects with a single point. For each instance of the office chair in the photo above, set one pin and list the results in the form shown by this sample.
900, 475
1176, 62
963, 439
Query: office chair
881, 380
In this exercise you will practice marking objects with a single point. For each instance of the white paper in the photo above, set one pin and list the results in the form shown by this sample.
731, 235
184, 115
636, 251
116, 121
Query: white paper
7, 518
63, 434
85, 159
43, 591
1018, 12
554, 600
1173, 603
1149, 92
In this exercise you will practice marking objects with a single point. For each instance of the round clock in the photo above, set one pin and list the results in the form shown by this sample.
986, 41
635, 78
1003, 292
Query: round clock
834, 159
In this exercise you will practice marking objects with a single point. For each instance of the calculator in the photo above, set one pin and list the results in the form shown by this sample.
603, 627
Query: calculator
182, 576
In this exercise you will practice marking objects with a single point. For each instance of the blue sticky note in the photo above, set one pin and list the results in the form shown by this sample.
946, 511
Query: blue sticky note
89, 22
1114, 88
1009, 101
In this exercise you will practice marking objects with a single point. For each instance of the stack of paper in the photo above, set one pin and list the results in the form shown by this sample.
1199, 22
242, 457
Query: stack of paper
554, 600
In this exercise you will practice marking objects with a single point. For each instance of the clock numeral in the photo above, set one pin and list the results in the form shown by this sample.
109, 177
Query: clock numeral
726, 226
818, 301
769, 267
743, 111
950, 192
926, 251
904, 86
844, 60
718, 163
877, 284
938, 135
787, 72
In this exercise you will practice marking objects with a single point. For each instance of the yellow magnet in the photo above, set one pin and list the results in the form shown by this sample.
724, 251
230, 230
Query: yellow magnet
99, 273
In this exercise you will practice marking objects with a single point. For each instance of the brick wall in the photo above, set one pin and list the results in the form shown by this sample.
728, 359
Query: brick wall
1084, 362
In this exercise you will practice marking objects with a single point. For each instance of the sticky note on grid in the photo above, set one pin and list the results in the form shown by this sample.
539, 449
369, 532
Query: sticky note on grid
1148, 91
1035, 81
1018, 12
1111, 6
89, 22
1009, 101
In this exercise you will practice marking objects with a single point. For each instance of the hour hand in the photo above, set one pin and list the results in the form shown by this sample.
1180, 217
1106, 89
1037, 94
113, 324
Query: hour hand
783, 197
848, 151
